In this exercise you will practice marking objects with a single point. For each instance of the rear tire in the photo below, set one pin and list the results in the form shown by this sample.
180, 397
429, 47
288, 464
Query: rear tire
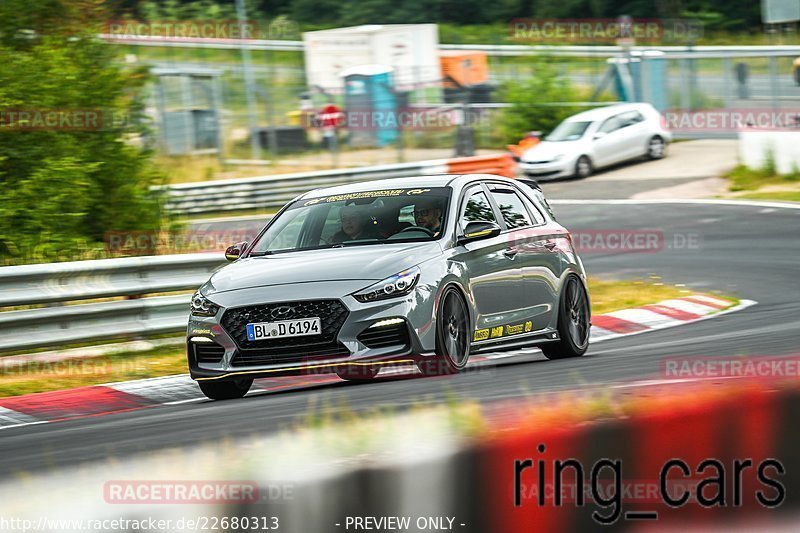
452, 341
573, 323
583, 167
225, 390
357, 372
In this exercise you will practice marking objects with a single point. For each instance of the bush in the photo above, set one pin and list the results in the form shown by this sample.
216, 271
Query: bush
531, 99
61, 189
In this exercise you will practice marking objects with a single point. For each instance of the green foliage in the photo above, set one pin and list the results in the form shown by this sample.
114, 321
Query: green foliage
530, 101
743, 178
61, 189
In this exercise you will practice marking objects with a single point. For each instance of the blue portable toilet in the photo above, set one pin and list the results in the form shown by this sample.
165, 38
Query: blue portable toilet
371, 106
641, 77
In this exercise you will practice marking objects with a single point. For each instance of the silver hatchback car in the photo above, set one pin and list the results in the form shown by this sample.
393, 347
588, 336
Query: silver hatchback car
425, 270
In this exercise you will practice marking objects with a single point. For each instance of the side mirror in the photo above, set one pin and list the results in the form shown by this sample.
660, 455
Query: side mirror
233, 252
479, 230
599, 135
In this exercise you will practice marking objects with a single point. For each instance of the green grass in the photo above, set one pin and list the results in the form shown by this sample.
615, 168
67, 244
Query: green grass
785, 196
743, 178
608, 296
71, 373
764, 183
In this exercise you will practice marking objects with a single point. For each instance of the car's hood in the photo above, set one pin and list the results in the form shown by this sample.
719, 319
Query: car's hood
367, 262
547, 151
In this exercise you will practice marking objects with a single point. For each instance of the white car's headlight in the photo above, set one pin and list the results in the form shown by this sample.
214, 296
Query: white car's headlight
202, 306
559, 157
397, 285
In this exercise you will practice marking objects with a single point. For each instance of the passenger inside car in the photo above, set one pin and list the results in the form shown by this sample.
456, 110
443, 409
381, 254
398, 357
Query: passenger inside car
354, 224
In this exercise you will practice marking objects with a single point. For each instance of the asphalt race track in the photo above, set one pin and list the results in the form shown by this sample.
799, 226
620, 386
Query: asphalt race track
748, 251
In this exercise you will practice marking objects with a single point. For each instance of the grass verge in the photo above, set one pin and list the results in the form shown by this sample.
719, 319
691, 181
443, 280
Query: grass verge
608, 296
763, 183
38, 376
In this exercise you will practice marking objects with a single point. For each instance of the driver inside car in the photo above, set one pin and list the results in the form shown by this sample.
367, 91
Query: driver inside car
428, 215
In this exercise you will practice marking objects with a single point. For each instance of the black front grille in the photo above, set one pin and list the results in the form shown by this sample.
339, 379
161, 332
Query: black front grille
332, 314
260, 357
383, 336
208, 352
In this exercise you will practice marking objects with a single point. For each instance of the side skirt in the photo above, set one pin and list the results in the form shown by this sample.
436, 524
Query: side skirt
525, 340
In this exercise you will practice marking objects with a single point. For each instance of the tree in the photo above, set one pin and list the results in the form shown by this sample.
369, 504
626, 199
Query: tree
532, 101
64, 185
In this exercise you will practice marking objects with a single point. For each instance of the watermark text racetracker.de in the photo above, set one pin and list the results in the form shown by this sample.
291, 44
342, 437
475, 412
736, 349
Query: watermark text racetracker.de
160, 492
62, 119
604, 30
730, 367
133, 242
610, 240
170, 29
730, 120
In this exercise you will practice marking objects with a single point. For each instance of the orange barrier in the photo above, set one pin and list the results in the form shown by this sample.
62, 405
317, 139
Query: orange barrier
500, 164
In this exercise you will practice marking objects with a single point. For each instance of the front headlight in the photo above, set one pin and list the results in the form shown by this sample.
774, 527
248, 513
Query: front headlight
559, 157
202, 306
397, 285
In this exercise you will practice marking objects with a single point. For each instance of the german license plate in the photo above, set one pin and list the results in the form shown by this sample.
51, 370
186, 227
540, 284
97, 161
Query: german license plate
298, 327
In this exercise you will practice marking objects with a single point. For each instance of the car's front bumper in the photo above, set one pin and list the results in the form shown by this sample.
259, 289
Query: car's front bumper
550, 169
415, 310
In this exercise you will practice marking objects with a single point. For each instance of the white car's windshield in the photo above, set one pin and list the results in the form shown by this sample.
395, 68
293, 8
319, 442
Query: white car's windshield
568, 131
353, 219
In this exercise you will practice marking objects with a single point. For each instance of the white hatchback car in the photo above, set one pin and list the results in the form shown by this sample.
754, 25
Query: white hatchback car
595, 139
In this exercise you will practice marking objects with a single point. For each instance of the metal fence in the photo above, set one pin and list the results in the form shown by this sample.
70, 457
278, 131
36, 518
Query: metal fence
695, 78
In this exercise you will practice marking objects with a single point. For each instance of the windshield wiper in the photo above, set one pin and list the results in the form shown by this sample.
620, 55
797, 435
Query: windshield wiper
259, 254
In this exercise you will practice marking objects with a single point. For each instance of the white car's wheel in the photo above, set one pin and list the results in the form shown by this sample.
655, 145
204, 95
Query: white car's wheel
656, 147
583, 167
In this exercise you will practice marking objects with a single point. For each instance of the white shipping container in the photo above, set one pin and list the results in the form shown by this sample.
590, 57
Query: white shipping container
411, 50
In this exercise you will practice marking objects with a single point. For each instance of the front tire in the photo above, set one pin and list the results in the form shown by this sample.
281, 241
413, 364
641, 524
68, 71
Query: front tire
573, 323
583, 167
225, 390
452, 341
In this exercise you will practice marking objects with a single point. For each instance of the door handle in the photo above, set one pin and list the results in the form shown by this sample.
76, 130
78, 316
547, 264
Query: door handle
510, 252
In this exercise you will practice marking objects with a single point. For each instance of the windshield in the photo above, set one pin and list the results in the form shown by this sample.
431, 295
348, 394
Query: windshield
568, 131
355, 219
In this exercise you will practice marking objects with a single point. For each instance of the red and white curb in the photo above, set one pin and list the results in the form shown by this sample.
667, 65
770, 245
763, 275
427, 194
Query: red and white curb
97, 400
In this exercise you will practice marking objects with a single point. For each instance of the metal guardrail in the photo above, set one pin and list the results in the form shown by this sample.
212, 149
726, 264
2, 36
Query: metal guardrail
497, 50
67, 283
276, 190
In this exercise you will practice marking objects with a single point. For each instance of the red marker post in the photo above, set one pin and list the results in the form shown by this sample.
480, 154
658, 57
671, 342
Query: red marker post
331, 118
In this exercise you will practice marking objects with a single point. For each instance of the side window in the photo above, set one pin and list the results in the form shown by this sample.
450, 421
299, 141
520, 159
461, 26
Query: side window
333, 224
630, 118
513, 210
477, 209
611, 124
533, 209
